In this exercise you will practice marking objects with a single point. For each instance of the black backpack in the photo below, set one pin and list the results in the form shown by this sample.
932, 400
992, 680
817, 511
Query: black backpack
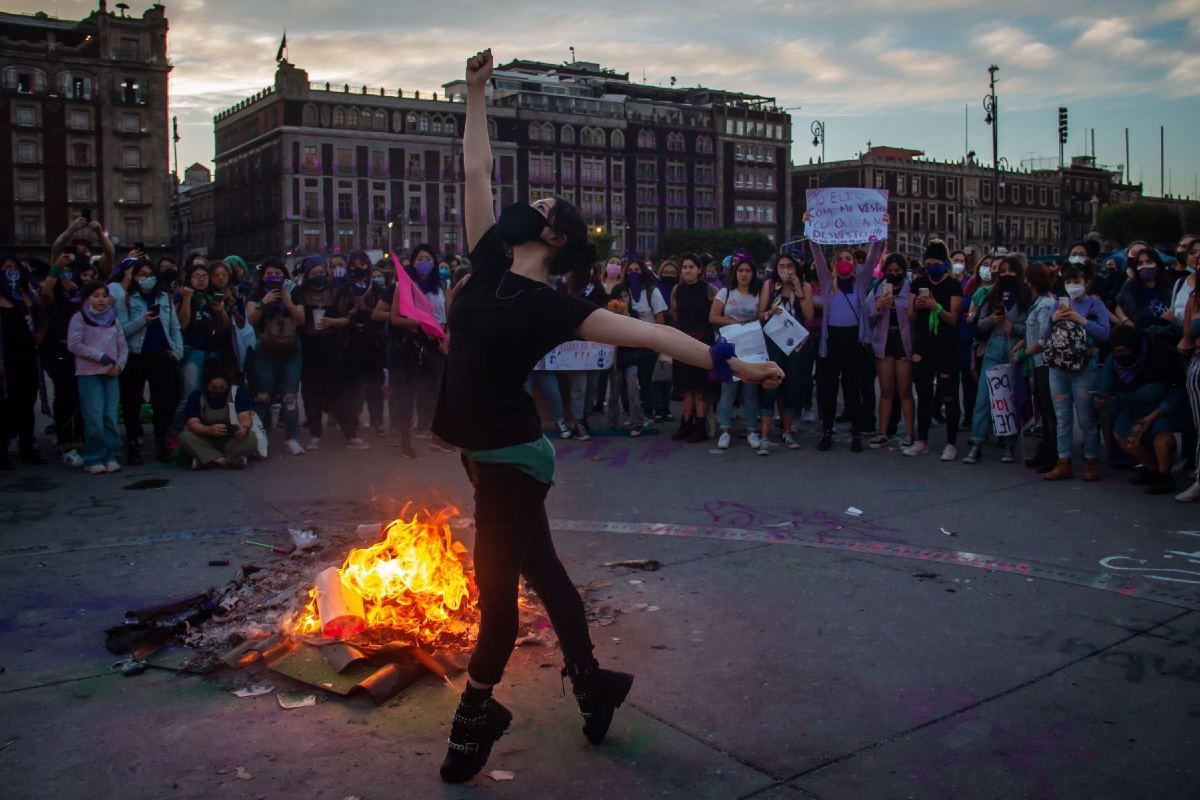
1067, 348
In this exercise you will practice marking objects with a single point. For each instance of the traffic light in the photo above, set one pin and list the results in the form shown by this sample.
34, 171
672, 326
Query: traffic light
1062, 124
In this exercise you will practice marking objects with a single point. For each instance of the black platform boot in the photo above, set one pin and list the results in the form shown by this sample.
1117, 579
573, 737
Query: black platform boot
599, 692
478, 722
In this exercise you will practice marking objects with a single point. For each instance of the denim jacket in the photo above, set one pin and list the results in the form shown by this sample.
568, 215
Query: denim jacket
132, 319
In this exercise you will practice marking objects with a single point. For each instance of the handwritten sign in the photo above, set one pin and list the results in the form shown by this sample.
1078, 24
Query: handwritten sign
577, 356
1002, 383
846, 216
785, 331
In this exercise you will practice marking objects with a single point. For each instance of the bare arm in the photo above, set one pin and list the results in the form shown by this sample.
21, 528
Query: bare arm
478, 209
56, 249
105, 264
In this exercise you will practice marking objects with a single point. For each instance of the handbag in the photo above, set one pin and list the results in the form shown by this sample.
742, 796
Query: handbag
256, 426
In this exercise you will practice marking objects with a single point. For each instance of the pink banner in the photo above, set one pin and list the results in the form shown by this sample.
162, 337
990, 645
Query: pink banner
413, 302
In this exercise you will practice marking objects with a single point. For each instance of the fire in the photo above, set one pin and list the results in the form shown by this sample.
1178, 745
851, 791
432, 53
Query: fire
414, 583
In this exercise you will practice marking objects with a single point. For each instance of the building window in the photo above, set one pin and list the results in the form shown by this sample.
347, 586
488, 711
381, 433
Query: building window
27, 189
352, 118
1057, 198
312, 205
310, 115
81, 191
26, 116
133, 229
879, 180
312, 240
309, 158
985, 191
345, 160
931, 187
131, 157
76, 87
81, 155
27, 152
339, 117
618, 140
131, 91
567, 135
128, 50
132, 192
423, 123
379, 208
131, 123
380, 120
31, 229
568, 170
1028, 195
345, 240
345, 206
951, 189
647, 140
916, 187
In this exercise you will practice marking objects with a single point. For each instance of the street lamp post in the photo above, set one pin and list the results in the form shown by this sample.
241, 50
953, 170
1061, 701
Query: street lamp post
818, 132
993, 118
391, 245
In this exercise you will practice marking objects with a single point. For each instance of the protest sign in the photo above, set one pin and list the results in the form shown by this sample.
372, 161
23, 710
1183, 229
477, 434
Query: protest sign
577, 356
785, 331
846, 216
748, 341
1002, 382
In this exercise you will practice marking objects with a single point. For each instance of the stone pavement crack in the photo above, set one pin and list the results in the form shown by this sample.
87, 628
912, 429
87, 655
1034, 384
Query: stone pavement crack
59, 682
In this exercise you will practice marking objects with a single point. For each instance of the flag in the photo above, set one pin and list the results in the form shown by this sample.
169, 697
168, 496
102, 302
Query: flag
412, 303
282, 54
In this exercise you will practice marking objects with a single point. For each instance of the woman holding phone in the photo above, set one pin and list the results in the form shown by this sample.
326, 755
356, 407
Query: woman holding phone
277, 320
892, 341
783, 292
503, 320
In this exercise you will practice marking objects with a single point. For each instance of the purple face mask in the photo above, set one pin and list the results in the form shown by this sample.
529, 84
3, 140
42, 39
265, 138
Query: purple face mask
423, 268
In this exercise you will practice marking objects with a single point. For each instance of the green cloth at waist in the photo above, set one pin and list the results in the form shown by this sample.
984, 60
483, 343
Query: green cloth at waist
535, 459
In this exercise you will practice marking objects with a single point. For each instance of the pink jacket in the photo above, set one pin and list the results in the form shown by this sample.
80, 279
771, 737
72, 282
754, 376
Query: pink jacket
91, 343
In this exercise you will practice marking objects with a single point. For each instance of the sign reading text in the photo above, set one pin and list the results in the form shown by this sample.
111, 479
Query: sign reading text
846, 216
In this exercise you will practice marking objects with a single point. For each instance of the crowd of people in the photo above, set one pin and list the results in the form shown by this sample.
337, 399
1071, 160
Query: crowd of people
214, 354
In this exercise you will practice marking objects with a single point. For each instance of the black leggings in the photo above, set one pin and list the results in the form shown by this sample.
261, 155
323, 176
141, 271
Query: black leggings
512, 540
68, 422
162, 373
843, 363
942, 368
1048, 446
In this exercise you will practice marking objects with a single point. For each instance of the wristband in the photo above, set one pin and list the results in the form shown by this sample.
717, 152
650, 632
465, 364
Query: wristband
721, 352
55, 271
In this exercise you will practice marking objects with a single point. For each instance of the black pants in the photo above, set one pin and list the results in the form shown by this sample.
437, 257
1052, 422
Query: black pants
842, 365
1047, 448
512, 540
60, 366
416, 374
324, 386
162, 373
940, 366
17, 404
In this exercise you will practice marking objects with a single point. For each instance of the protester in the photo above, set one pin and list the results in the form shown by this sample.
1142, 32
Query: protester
1040, 279
206, 328
691, 301
648, 302
734, 305
582, 383
892, 342
219, 432
366, 341
278, 360
783, 292
623, 383
1187, 347
152, 331
934, 310
100, 350
226, 291
1145, 300
23, 327
61, 298
1185, 286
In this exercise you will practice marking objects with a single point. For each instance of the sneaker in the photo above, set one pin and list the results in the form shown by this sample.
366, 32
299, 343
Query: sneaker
406, 450
754, 440
196, 465
795, 426
906, 443
807, 417
236, 463
112, 466
314, 443
294, 447
628, 423
826, 442
764, 446
71, 458
950, 453
636, 430
563, 431
974, 454
916, 449
437, 444
423, 434
475, 729
878, 442
96, 469
666, 416
1009, 455
789, 441
723, 440
856, 444
357, 444
1189, 495
580, 432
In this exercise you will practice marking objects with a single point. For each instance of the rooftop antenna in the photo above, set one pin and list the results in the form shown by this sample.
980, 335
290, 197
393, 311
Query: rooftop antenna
572, 49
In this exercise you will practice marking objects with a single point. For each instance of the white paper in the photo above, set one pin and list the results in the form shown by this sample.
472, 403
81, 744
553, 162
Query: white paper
785, 331
748, 341
846, 215
577, 355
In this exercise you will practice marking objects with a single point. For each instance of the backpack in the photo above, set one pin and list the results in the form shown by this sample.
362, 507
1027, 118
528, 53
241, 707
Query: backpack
1067, 347
278, 337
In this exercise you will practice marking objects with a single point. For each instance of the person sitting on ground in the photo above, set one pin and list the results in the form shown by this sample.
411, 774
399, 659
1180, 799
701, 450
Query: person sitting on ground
215, 437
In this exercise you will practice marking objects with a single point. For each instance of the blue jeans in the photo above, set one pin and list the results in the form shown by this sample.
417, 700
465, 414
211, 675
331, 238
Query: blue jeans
547, 381
749, 404
998, 352
99, 399
1070, 390
278, 377
190, 370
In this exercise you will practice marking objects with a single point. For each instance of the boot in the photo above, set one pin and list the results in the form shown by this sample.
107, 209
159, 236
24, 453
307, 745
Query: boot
478, 722
1091, 469
699, 431
162, 453
133, 453
826, 440
599, 692
1061, 472
685, 429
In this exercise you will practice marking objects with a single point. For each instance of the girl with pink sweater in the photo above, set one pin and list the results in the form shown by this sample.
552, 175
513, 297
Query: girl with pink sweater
98, 344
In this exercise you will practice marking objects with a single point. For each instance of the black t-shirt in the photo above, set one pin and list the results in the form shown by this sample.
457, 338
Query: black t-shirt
943, 293
501, 324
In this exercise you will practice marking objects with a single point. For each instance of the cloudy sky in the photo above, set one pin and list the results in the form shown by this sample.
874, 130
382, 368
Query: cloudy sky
897, 72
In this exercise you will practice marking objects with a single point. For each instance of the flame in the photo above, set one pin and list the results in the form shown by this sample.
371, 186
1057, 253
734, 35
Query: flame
414, 583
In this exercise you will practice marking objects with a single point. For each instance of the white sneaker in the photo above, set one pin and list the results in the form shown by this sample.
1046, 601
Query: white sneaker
795, 426
294, 447
878, 442
357, 444
754, 440
807, 417
723, 440
1190, 495
789, 441
764, 446
564, 432
422, 433
950, 453
71, 458
95, 469
916, 449
314, 443
112, 466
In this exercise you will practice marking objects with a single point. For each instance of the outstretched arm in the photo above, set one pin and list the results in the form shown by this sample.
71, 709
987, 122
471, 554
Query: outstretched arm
478, 209
608, 328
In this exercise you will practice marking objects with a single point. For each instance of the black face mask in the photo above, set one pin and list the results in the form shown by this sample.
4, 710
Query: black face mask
521, 223
317, 281
1007, 283
169, 276
1126, 360
669, 281
895, 280
360, 273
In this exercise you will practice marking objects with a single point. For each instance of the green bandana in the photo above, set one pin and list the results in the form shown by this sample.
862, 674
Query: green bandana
535, 459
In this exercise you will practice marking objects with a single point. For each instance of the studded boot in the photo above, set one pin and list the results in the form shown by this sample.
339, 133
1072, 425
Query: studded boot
599, 693
478, 723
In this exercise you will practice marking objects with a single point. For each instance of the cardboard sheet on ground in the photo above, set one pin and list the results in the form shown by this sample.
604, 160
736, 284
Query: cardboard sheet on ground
846, 216
785, 331
380, 681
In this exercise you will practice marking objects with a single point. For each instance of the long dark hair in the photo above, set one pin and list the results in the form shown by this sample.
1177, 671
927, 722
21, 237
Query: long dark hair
578, 253
742, 257
431, 283
1021, 293
133, 281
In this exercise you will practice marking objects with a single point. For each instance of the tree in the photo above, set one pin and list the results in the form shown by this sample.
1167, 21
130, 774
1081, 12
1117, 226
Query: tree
1146, 221
718, 243
604, 245
1191, 218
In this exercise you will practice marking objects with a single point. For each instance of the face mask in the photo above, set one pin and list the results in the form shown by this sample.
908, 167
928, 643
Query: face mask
170, 276
339, 272
1008, 283
360, 273
147, 284
216, 397
985, 274
520, 223
1076, 290
895, 280
845, 269
613, 270
635, 281
378, 281
958, 267
1127, 360
786, 275
1147, 274
669, 281
317, 281
444, 273
1077, 260
423, 268
937, 272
